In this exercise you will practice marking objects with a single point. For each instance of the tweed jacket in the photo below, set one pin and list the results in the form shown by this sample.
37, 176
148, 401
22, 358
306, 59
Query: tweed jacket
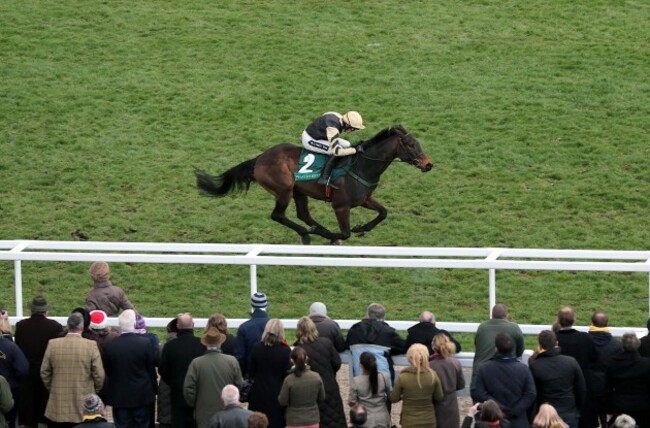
301, 395
206, 376
72, 368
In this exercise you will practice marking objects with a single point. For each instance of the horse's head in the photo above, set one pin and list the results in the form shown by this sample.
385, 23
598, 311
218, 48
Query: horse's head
409, 150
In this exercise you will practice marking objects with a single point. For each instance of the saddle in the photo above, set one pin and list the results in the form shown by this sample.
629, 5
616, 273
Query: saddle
310, 165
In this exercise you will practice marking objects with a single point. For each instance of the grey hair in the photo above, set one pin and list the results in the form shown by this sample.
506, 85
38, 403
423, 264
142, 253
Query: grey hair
426, 316
376, 311
230, 394
75, 322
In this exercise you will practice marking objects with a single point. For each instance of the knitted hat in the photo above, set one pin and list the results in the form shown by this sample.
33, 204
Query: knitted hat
39, 304
92, 405
99, 271
318, 308
140, 325
212, 337
258, 301
98, 320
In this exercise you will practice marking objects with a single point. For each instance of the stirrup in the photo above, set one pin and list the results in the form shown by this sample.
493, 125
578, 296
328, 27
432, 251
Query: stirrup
325, 181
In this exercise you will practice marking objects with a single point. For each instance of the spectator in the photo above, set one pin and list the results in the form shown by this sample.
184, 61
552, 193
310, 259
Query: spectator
424, 331
163, 407
326, 361
326, 327
547, 417
418, 387
14, 367
5, 325
130, 366
606, 347
489, 416
644, 349
578, 344
86, 333
6, 400
358, 416
625, 421
104, 295
250, 332
99, 326
258, 420
219, 322
301, 392
507, 381
32, 336
450, 373
141, 329
207, 375
628, 382
558, 380
93, 413
486, 334
375, 331
233, 414
72, 368
174, 361
370, 389
269, 364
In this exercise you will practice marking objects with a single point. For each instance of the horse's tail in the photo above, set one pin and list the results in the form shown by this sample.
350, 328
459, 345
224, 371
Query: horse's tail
236, 180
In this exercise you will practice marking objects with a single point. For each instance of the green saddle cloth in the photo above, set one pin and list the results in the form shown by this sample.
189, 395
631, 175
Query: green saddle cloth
310, 166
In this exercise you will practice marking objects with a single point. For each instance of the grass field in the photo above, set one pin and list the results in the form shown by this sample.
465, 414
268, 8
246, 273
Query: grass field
536, 114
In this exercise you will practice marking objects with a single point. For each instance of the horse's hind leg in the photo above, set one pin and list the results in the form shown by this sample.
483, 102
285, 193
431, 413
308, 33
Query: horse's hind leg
279, 215
302, 211
372, 204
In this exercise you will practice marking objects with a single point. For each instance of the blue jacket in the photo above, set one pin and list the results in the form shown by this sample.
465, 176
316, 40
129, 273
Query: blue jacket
508, 382
248, 334
13, 363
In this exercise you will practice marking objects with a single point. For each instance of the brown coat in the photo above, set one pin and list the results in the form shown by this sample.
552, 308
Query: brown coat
450, 373
72, 368
417, 406
108, 298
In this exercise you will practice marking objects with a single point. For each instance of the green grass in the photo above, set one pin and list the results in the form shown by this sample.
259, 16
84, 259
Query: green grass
536, 115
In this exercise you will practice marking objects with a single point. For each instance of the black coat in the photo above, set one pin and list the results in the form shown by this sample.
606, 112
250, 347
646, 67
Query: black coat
644, 349
377, 333
32, 336
578, 344
628, 386
268, 367
559, 382
130, 365
325, 360
606, 346
174, 361
424, 332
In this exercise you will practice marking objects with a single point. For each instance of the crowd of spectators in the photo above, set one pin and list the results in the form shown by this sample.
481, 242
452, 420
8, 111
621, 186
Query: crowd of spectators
63, 376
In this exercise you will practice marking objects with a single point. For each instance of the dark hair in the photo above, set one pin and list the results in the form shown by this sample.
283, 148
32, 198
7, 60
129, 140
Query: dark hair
358, 414
369, 362
258, 420
490, 411
566, 317
499, 311
599, 319
299, 357
504, 343
547, 339
630, 343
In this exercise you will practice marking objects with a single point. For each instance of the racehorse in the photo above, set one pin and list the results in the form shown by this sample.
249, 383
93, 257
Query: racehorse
274, 170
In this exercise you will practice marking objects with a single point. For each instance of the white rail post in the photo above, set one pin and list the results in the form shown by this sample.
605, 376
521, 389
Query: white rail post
492, 278
253, 268
18, 279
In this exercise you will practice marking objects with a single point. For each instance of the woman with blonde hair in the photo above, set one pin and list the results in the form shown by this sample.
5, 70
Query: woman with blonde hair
547, 417
325, 360
219, 322
450, 372
267, 368
418, 386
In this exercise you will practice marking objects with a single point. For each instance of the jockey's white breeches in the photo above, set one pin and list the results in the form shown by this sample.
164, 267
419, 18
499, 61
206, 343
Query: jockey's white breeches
321, 146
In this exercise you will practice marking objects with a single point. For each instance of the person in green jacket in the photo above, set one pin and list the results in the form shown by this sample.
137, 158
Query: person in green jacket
6, 400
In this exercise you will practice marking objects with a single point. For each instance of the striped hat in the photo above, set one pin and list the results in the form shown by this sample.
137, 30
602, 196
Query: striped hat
258, 301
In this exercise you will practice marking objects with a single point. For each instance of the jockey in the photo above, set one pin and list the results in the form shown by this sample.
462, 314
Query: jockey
323, 136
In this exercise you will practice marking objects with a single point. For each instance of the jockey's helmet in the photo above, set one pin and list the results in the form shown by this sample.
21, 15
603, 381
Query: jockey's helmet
354, 120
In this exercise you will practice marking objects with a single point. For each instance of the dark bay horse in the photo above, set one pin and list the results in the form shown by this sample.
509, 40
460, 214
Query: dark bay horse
274, 170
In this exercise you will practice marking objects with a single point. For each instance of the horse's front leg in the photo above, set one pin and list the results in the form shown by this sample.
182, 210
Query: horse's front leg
382, 212
343, 218
279, 214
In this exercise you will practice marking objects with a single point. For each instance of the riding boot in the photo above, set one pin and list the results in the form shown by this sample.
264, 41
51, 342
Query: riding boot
327, 171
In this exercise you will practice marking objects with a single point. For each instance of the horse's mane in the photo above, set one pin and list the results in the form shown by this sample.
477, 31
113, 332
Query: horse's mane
385, 133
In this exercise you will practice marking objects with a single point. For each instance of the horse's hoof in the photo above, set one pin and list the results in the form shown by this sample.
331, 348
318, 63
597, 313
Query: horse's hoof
337, 241
358, 229
306, 240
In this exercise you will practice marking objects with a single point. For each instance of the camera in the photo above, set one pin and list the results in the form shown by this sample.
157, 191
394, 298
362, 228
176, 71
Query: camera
479, 407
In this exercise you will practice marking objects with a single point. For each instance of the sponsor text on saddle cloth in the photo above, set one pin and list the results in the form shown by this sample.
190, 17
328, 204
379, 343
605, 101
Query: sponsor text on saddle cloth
311, 164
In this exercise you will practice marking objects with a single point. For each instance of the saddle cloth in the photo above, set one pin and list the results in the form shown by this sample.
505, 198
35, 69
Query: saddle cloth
310, 166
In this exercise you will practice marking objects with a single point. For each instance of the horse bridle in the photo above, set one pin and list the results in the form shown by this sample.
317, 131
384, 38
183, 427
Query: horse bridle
413, 161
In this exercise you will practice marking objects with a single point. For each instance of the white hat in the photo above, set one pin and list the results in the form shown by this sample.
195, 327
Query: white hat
98, 320
318, 308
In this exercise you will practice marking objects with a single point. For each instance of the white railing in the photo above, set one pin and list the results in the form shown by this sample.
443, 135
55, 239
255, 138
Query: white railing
490, 259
